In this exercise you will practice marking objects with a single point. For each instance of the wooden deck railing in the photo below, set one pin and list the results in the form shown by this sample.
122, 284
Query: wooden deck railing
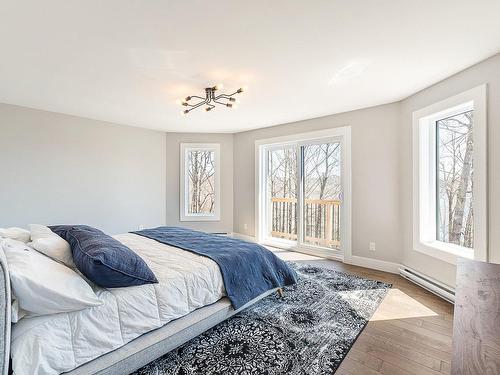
321, 220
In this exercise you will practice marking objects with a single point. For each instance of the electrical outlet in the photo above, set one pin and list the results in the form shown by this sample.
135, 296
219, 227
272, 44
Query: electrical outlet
372, 246
245, 226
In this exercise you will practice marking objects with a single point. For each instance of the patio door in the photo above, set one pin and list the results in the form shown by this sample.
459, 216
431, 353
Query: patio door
321, 194
302, 195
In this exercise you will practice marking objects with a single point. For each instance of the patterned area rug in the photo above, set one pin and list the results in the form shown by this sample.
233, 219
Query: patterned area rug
309, 331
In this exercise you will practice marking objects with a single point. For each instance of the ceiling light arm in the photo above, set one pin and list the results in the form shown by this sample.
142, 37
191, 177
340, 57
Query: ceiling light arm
223, 96
227, 96
221, 103
197, 97
195, 105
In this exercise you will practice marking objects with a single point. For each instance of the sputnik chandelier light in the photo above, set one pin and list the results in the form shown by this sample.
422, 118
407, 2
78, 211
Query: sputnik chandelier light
210, 100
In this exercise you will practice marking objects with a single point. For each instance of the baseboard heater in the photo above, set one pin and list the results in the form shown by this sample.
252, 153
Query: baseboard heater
426, 282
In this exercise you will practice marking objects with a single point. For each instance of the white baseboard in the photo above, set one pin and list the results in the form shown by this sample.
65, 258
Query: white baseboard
376, 264
432, 285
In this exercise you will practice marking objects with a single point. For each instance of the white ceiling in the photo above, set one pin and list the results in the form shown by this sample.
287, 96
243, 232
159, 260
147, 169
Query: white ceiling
127, 61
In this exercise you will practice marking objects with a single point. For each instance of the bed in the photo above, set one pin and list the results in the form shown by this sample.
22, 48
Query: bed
133, 326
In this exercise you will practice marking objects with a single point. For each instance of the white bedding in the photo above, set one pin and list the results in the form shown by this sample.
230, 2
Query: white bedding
57, 343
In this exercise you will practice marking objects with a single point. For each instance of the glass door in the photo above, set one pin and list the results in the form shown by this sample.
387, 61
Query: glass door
321, 194
281, 194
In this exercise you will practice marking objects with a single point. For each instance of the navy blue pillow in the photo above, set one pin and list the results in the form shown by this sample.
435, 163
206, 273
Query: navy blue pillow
104, 260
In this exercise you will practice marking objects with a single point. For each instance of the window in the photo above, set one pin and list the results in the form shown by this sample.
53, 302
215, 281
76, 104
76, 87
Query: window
455, 148
200, 198
450, 177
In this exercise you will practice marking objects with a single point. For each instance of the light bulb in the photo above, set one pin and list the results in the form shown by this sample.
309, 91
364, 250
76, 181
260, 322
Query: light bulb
229, 105
208, 109
187, 98
178, 101
185, 112
234, 100
218, 86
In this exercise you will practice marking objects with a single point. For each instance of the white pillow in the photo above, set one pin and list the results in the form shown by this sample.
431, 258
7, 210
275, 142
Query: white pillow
15, 233
43, 286
50, 244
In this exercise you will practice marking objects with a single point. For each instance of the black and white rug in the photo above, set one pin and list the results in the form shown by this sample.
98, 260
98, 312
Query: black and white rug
309, 331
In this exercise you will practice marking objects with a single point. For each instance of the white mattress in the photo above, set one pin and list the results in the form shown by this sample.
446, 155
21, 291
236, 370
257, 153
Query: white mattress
57, 343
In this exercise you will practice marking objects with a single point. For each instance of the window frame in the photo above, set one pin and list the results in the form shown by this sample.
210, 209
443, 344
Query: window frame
425, 177
184, 214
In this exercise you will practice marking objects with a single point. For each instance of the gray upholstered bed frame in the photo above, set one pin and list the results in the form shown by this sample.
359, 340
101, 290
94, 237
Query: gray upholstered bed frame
4, 314
136, 353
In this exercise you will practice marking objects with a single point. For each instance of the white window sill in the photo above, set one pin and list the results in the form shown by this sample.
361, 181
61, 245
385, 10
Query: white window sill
200, 218
289, 245
279, 243
444, 251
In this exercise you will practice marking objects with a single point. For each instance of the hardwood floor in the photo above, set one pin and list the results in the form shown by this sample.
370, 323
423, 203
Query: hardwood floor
410, 333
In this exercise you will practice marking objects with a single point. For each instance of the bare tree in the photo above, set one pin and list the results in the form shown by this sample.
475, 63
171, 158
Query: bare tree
455, 157
322, 169
322, 182
283, 180
201, 174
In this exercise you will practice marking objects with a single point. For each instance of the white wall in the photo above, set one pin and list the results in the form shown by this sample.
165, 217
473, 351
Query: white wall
56, 168
226, 175
375, 176
488, 72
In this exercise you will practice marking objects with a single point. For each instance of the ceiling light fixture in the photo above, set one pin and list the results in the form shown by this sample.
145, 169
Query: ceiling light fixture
210, 100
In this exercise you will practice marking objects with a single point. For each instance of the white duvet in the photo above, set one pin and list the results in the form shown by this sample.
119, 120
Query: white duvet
57, 343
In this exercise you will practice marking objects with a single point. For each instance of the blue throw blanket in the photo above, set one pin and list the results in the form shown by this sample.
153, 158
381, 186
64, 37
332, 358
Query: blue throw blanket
248, 269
